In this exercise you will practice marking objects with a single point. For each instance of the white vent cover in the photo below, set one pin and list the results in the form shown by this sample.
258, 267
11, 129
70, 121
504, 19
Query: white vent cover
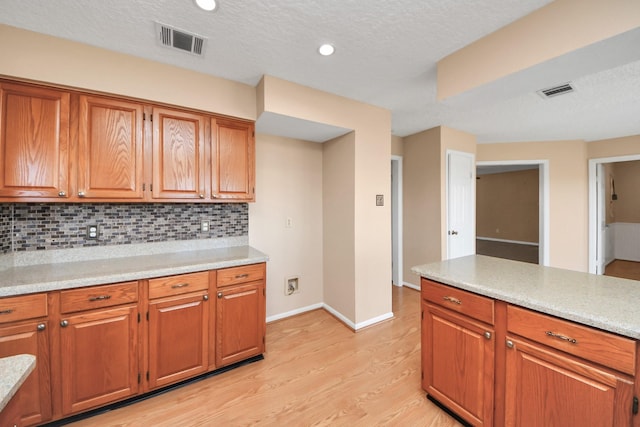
175, 38
556, 90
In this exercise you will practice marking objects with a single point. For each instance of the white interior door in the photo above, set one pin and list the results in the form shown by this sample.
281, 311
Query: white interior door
461, 204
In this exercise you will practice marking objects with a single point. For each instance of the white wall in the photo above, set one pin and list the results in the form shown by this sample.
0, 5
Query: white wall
289, 185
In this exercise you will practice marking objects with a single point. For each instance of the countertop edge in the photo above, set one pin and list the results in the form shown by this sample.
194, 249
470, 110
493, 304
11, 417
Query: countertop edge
43, 285
529, 302
15, 370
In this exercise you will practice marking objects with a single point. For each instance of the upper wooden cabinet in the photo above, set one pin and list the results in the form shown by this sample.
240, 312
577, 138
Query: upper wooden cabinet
110, 149
58, 145
232, 158
34, 142
178, 155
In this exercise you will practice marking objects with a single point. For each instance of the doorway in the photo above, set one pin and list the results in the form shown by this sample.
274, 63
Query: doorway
396, 221
612, 235
523, 245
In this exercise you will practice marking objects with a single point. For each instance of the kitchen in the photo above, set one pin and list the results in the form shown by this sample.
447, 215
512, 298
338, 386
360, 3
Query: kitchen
354, 252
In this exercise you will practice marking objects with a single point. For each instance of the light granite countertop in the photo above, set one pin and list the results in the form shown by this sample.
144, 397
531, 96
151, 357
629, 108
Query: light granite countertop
15, 370
68, 269
603, 302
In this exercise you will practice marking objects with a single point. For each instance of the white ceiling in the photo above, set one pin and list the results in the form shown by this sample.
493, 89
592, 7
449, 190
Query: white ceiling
386, 54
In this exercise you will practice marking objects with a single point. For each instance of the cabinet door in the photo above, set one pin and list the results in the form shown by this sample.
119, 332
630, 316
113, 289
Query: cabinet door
99, 357
34, 142
240, 322
178, 155
178, 338
546, 388
31, 338
110, 149
233, 160
458, 363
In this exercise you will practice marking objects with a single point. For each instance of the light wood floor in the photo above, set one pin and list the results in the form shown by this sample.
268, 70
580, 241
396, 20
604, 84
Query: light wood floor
624, 269
316, 372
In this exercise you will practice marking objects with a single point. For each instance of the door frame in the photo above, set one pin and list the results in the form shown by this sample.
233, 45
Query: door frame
396, 227
595, 203
543, 202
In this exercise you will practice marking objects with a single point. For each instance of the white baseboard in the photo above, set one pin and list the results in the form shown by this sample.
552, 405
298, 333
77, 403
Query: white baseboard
294, 312
411, 285
340, 316
517, 242
374, 320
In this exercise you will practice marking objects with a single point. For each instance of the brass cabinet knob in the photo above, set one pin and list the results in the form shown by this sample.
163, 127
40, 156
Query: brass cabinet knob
62, 193
81, 194
220, 295
42, 326
205, 297
64, 323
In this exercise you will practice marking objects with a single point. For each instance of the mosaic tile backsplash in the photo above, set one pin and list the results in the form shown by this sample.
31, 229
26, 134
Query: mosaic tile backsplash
63, 226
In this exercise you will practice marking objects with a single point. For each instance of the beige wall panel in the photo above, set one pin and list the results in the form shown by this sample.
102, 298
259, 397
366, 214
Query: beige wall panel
553, 30
397, 147
52, 60
338, 187
627, 179
568, 198
289, 185
625, 146
421, 201
507, 206
372, 151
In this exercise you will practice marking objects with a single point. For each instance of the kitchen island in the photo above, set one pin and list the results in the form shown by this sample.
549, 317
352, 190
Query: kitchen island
511, 343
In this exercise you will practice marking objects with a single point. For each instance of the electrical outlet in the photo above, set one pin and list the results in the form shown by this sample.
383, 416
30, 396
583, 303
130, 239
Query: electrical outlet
291, 286
204, 226
93, 231
379, 199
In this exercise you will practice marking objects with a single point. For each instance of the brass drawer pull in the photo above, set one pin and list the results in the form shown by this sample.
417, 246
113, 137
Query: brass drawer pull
7, 311
180, 285
453, 300
561, 337
242, 276
100, 298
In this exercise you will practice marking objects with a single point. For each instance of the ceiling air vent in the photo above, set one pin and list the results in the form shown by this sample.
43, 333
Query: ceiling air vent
556, 90
179, 39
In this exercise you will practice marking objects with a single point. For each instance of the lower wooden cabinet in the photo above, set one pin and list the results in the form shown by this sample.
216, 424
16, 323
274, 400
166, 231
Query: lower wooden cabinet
458, 363
31, 337
548, 388
178, 328
98, 361
98, 335
240, 314
102, 344
542, 371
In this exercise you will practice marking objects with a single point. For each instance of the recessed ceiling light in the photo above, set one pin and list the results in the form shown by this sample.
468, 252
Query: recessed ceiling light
208, 5
326, 49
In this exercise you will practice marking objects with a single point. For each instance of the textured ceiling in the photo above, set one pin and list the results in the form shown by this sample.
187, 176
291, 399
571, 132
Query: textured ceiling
386, 54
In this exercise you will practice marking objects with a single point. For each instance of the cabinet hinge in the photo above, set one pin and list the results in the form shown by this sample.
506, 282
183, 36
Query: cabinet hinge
422, 375
264, 292
144, 186
147, 375
138, 322
139, 377
635, 405
422, 315
144, 116
151, 187
264, 341
147, 316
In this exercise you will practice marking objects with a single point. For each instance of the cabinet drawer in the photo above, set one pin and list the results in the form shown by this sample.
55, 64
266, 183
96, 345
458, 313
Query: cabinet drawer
23, 307
467, 303
601, 347
180, 284
243, 274
98, 297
